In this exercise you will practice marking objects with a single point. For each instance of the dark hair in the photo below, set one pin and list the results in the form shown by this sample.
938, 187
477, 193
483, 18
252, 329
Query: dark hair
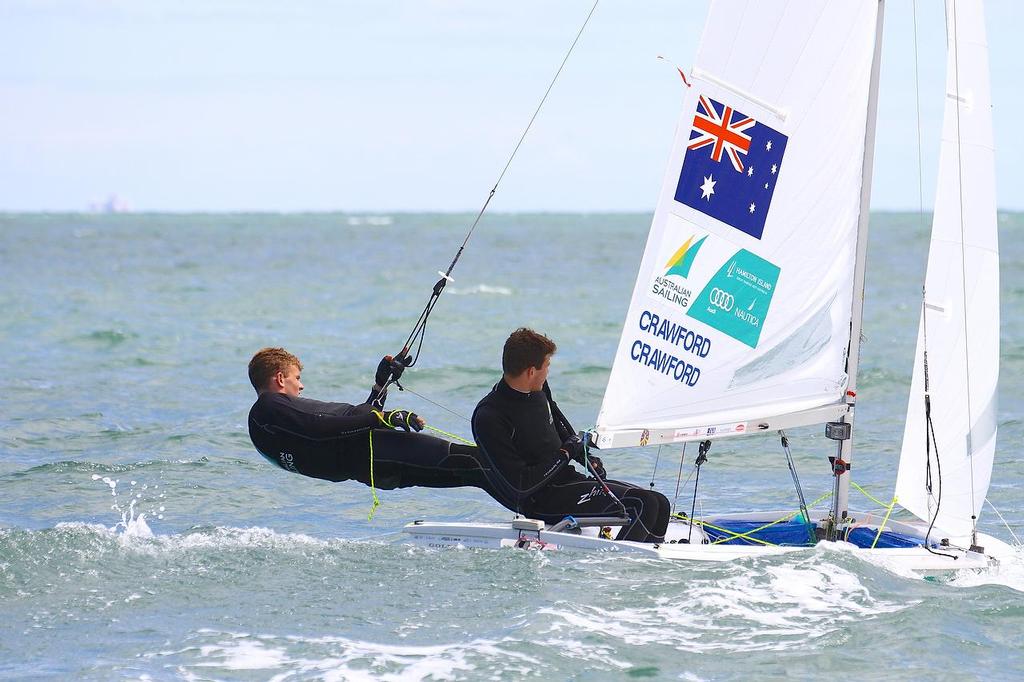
267, 362
525, 348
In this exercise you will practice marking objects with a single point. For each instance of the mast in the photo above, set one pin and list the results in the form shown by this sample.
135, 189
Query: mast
841, 503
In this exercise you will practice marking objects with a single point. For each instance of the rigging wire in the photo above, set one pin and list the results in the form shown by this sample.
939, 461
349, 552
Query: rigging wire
917, 102
679, 477
929, 433
654, 474
963, 265
1012, 534
929, 425
437, 404
702, 457
924, 291
418, 332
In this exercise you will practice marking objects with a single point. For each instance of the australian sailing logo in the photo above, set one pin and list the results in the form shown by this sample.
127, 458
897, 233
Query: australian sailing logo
668, 285
731, 166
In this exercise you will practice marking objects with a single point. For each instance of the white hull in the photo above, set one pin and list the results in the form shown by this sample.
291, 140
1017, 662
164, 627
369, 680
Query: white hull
498, 535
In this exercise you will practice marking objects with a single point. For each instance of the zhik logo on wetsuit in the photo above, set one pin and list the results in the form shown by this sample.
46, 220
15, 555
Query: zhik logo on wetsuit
596, 491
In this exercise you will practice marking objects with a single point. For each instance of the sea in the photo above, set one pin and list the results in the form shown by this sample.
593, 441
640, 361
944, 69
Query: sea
143, 538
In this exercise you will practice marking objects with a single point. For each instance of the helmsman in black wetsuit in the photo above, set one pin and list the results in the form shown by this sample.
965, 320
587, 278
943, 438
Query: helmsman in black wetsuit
332, 440
526, 445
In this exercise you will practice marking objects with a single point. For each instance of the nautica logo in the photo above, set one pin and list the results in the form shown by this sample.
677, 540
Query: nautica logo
682, 260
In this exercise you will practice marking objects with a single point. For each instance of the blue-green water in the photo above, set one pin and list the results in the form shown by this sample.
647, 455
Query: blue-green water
141, 537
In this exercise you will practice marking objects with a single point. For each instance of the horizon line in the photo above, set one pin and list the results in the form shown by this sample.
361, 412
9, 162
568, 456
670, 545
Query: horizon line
385, 212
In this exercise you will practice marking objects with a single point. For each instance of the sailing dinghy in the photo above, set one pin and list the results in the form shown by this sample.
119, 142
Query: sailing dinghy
746, 315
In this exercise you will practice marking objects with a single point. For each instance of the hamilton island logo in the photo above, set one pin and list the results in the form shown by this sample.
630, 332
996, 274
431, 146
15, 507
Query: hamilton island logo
668, 285
738, 297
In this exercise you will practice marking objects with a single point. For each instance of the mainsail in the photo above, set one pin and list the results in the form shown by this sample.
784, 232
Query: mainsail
741, 315
959, 327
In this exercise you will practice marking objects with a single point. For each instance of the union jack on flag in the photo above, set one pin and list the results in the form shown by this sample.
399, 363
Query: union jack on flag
738, 192
723, 130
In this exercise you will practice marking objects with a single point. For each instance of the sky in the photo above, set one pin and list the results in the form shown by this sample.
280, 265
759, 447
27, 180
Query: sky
407, 105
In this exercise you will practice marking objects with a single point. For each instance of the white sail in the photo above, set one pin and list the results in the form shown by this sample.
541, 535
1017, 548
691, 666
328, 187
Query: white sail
959, 326
740, 318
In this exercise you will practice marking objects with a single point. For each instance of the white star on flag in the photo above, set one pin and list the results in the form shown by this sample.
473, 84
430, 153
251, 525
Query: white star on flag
751, 208
750, 171
768, 147
708, 188
774, 168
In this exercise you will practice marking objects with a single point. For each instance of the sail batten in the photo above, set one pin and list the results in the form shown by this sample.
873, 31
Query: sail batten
751, 320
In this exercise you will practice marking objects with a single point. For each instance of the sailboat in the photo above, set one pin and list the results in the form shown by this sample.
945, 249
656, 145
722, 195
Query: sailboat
745, 320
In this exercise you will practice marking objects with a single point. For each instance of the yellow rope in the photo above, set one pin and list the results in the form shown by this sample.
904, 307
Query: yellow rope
871, 497
450, 435
884, 521
748, 535
888, 510
731, 534
373, 489
386, 422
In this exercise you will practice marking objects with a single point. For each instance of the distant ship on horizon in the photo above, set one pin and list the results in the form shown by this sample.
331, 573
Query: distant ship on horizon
113, 204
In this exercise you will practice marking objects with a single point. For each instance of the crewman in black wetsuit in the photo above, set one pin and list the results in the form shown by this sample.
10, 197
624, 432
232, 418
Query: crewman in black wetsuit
526, 445
332, 440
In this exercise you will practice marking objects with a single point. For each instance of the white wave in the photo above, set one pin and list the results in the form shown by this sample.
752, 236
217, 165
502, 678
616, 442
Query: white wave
1009, 572
484, 289
219, 538
375, 220
342, 658
132, 523
765, 606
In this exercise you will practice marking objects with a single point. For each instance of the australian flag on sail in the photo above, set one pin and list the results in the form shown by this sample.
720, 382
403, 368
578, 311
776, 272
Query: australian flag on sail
731, 165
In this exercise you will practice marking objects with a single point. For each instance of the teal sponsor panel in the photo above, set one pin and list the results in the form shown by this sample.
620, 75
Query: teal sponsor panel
736, 299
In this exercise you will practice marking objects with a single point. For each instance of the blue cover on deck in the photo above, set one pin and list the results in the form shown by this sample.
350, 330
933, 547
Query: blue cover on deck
794, 533
863, 537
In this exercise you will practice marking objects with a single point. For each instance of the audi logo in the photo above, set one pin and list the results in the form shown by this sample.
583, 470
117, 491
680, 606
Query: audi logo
722, 299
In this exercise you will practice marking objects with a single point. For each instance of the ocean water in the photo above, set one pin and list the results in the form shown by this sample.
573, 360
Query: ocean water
141, 536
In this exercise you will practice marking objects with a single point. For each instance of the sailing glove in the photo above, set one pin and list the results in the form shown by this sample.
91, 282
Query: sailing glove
574, 451
388, 367
404, 419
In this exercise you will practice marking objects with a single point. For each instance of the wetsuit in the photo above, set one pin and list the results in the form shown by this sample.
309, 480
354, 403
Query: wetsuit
332, 441
520, 436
